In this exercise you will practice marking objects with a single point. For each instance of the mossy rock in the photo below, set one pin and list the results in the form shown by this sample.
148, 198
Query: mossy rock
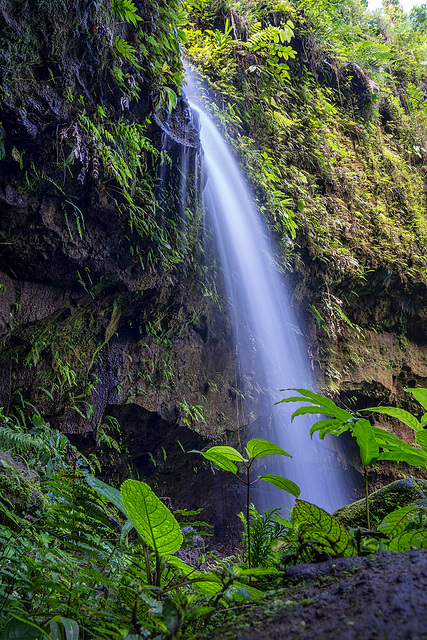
20, 488
400, 493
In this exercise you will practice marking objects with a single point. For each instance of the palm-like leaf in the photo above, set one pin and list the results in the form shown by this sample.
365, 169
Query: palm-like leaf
365, 437
402, 415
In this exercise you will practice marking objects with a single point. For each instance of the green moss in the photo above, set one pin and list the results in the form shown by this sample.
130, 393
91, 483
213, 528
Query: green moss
20, 488
355, 188
400, 493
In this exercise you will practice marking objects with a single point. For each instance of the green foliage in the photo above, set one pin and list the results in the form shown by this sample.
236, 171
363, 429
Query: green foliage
255, 448
122, 149
75, 573
316, 523
126, 10
191, 415
374, 444
366, 441
125, 51
266, 530
38, 445
224, 457
346, 137
369, 438
152, 519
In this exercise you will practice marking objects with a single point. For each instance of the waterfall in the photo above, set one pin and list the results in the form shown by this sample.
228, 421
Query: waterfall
271, 349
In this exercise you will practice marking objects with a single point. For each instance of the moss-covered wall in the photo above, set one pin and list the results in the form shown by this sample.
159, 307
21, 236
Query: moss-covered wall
105, 297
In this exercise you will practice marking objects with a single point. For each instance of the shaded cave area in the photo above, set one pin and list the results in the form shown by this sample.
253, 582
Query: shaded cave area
162, 454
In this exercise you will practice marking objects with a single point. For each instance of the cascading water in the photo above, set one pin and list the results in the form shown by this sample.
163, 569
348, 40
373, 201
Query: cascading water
271, 350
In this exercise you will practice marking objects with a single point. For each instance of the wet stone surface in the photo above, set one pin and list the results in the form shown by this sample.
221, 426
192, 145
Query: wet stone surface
382, 597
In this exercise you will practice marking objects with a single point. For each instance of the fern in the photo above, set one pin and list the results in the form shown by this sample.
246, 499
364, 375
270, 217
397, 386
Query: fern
126, 10
123, 49
13, 440
265, 38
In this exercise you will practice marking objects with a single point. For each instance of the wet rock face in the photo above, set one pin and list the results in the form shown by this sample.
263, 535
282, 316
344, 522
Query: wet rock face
160, 452
43, 242
106, 317
182, 125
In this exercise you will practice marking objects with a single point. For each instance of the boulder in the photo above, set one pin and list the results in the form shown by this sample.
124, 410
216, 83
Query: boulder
400, 493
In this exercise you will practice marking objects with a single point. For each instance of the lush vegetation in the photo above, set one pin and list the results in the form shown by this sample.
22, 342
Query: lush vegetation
324, 105
322, 102
90, 561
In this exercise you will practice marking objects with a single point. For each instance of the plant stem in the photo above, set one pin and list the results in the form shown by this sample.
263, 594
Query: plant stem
147, 562
365, 469
247, 518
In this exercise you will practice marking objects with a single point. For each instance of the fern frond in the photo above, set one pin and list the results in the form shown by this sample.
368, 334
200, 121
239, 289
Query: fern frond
22, 443
281, 120
270, 38
255, 27
126, 10
123, 49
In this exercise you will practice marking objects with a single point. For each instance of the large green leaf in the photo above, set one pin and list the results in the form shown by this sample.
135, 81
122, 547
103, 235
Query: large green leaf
325, 405
402, 415
420, 395
282, 483
220, 460
395, 522
227, 452
336, 431
112, 494
403, 456
396, 450
324, 425
408, 540
70, 627
258, 448
365, 438
386, 440
320, 525
302, 411
421, 437
156, 524
19, 629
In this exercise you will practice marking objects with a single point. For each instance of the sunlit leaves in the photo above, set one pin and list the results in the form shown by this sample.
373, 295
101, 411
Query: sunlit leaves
321, 403
258, 448
126, 10
420, 396
402, 415
152, 519
227, 452
222, 461
395, 523
123, 49
409, 540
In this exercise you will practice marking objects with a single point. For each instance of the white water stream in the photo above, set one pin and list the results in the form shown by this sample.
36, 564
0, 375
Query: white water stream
271, 350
